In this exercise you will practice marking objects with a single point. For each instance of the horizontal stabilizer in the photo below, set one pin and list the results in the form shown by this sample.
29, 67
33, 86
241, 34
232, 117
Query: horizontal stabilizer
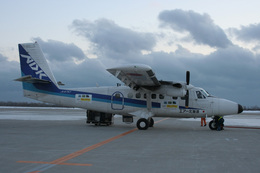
30, 79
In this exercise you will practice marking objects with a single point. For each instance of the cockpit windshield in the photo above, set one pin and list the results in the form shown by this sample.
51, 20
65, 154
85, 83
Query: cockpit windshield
202, 94
205, 92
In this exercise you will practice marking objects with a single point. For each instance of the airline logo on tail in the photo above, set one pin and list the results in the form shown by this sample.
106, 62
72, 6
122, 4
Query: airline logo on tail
34, 66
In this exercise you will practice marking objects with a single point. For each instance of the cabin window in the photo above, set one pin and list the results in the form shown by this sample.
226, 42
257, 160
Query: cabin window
153, 96
183, 98
161, 96
130, 95
174, 98
138, 95
145, 95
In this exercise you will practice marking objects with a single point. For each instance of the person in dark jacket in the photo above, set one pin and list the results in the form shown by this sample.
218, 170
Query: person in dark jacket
220, 123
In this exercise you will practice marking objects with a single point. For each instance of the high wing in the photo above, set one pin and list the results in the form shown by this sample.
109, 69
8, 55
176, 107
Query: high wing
136, 76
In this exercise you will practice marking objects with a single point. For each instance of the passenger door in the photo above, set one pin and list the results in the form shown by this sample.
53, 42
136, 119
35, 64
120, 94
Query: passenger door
117, 101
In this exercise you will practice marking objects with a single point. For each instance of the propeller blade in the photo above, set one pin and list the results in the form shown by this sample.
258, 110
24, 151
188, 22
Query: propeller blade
187, 93
187, 77
187, 99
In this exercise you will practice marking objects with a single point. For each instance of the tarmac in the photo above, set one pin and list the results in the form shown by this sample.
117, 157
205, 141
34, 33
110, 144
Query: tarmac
54, 140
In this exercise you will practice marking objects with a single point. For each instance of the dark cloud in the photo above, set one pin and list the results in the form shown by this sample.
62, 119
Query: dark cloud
9, 89
113, 40
62, 56
247, 33
201, 27
59, 51
89, 73
2, 58
231, 73
234, 67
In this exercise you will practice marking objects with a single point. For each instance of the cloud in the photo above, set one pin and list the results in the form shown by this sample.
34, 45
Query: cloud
71, 66
229, 67
89, 73
63, 58
113, 40
231, 73
247, 33
201, 27
9, 89
2, 58
59, 51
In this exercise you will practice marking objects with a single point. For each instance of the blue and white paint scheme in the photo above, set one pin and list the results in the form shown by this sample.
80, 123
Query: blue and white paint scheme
143, 95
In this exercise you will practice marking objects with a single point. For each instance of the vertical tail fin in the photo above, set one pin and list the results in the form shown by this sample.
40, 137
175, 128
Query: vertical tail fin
34, 63
37, 76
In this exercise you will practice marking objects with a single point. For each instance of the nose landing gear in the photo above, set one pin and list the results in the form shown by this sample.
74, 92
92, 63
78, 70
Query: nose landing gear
217, 123
213, 125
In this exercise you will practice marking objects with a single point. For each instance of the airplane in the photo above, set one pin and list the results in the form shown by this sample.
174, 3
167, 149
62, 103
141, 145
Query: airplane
143, 95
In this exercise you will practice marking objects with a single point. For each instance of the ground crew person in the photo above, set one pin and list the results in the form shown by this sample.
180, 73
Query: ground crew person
220, 123
203, 120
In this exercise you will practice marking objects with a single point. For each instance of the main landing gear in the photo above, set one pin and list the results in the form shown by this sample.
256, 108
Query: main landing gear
143, 123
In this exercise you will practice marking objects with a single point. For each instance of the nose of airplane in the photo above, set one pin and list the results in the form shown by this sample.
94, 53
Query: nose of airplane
227, 107
240, 108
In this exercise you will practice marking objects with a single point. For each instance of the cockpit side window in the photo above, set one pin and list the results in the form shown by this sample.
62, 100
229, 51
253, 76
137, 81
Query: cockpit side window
200, 95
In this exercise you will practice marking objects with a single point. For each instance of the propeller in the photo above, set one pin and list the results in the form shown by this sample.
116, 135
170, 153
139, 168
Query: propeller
187, 93
188, 77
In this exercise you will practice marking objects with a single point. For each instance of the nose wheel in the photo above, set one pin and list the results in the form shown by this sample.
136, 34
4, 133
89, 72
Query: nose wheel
213, 125
216, 123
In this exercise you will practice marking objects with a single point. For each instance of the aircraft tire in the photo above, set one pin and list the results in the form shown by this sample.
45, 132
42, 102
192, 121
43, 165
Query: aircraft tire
212, 125
142, 124
151, 122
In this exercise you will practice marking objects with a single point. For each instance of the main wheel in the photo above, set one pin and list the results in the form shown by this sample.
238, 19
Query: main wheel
151, 122
212, 125
142, 124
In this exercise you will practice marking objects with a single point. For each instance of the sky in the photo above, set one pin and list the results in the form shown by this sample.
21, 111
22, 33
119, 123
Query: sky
217, 41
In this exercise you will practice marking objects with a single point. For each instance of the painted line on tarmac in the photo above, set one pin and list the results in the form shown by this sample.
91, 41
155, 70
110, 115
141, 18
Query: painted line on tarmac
242, 127
80, 152
60, 161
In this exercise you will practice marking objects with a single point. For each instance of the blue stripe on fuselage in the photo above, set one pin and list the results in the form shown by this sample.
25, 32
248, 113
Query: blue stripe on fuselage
50, 89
